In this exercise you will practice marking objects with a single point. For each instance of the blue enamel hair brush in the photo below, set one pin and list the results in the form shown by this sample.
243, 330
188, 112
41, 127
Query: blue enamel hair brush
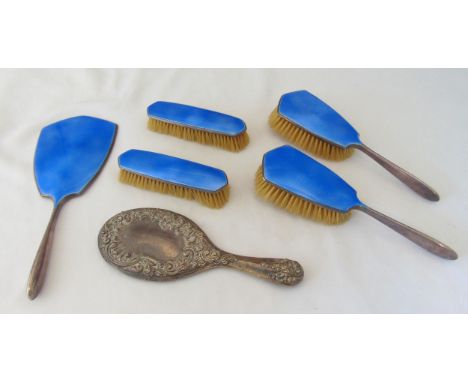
198, 125
300, 184
175, 176
315, 127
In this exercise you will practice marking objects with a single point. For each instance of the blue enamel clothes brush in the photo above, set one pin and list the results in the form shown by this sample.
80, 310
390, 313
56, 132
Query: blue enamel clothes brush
171, 175
199, 125
300, 184
314, 126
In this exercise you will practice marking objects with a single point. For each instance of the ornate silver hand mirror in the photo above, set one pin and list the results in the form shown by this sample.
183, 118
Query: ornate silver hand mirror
156, 244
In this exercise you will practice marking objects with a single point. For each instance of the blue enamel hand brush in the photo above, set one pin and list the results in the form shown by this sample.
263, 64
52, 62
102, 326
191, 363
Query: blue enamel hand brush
176, 176
198, 125
314, 126
298, 183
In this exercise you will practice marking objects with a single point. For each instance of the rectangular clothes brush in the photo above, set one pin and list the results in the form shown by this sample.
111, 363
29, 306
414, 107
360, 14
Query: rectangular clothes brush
179, 177
316, 127
199, 125
301, 185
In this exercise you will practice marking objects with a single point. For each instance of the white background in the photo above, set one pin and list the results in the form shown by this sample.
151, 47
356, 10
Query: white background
417, 118
244, 33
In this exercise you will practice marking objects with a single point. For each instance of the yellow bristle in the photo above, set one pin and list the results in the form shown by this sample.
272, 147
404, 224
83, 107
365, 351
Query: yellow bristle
211, 199
306, 140
232, 143
296, 204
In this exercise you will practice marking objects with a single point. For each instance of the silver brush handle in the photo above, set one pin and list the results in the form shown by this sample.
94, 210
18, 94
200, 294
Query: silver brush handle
432, 245
38, 269
417, 185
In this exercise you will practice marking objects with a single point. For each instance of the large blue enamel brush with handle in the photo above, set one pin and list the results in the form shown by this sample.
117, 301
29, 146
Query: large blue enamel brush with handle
301, 185
316, 127
69, 155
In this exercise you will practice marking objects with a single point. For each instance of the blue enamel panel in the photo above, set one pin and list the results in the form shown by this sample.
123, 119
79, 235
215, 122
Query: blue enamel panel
69, 154
315, 116
173, 170
195, 117
295, 172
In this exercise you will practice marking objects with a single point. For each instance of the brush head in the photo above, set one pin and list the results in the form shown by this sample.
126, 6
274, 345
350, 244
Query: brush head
314, 126
199, 125
301, 185
175, 176
296, 204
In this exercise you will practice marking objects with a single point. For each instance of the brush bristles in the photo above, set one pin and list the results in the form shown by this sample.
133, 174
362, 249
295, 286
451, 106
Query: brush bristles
211, 199
306, 140
295, 204
232, 143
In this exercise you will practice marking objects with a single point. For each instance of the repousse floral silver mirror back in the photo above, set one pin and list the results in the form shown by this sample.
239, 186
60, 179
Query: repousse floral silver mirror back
156, 244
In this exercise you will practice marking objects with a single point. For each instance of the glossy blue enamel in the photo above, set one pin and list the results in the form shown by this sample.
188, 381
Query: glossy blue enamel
195, 117
297, 173
173, 170
70, 153
315, 116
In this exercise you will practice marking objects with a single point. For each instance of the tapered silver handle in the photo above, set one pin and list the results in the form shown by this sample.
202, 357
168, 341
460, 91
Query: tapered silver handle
404, 176
38, 270
432, 245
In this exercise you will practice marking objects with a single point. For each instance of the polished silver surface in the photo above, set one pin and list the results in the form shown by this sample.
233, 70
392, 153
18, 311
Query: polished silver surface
416, 184
38, 269
156, 244
429, 243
